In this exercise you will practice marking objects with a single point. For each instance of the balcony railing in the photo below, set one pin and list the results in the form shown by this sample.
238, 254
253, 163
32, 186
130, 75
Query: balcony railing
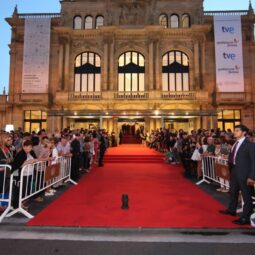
225, 13
184, 95
38, 15
73, 96
131, 95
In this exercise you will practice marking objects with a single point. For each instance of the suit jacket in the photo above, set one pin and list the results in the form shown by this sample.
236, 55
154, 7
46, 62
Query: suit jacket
19, 160
244, 167
3, 158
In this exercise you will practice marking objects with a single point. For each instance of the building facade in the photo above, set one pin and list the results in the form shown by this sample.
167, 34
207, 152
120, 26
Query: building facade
145, 61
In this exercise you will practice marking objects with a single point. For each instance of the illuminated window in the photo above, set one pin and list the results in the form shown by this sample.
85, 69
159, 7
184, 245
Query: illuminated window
228, 119
163, 20
174, 21
175, 71
88, 22
35, 121
87, 72
99, 21
77, 22
131, 72
185, 20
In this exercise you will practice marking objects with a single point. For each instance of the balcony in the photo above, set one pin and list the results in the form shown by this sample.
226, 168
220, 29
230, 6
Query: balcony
134, 95
63, 96
185, 95
78, 96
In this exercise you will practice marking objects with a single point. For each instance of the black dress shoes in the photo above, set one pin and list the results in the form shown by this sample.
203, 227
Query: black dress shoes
242, 221
227, 212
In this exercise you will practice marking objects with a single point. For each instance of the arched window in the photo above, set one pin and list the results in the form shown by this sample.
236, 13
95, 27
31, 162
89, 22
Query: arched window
87, 72
175, 71
174, 21
99, 21
185, 20
88, 22
163, 20
77, 22
131, 72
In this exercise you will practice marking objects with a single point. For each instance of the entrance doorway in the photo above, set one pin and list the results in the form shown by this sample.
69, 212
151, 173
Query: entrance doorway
131, 130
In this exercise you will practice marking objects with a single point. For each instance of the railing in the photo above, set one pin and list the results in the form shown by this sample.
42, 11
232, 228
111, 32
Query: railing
209, 171
225, 13
184, 95
131, 95
38, 15
73, 96
39, 176
6, 181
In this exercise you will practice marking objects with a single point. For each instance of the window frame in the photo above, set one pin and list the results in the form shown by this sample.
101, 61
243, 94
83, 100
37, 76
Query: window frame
136, 71
179, 71
89, 70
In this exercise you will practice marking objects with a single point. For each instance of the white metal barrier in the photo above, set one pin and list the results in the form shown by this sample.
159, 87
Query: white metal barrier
209, 173
37, 177
6, 181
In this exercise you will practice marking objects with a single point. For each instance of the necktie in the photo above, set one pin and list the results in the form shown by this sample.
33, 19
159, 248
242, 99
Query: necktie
233, 153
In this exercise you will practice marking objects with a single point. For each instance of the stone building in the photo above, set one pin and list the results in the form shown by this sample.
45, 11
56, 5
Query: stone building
151, 62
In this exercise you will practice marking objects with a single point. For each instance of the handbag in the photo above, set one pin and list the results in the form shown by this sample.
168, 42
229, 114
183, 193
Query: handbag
196, 155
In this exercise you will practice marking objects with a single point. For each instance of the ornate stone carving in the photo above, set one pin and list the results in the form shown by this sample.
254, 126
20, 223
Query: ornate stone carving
131, 14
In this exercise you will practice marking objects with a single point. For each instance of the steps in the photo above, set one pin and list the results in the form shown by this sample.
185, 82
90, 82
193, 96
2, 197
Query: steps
130, 139
133, 159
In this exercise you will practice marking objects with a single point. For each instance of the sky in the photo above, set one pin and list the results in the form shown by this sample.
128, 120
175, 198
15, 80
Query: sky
33, 6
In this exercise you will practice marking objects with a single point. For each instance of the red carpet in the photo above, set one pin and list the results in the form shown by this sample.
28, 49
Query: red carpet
159, 197
130, 139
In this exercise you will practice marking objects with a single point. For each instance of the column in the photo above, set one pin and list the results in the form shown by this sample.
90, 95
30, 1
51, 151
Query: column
151, 61
61, 64
158, 123
112, 63
157, 67
106, 73
111, 125
67, 62
162, 122
203, 65
152, 124
197, 65
100, 122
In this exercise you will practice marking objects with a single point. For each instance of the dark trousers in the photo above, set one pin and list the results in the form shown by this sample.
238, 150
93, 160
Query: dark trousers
236, 185
101, 156
75, 168
2, 182
86, 160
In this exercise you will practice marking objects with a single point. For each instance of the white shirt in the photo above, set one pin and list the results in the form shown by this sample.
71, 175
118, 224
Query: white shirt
28, 169
240, 142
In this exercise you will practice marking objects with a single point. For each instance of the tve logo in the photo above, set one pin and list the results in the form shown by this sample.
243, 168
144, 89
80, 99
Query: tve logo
230, 30
230, 56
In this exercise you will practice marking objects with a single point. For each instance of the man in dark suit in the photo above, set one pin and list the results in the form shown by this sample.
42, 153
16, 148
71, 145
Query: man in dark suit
75, 150
242, 166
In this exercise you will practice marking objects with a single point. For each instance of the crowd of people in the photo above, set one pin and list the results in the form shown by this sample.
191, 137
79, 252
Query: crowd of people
85, 147
188, 149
